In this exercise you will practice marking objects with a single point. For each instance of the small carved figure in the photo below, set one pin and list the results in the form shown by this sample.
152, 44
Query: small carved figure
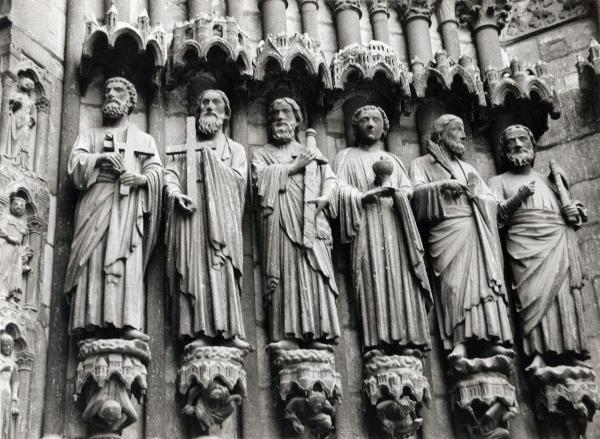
14, 256
540, 221
9, 387
117, 218
389, 276
21, 121
294, 185
458, 212
206, 186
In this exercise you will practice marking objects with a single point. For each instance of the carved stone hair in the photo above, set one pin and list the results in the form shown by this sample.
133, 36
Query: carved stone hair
130, 88
440, 124
356, 118
225, 101
502, 141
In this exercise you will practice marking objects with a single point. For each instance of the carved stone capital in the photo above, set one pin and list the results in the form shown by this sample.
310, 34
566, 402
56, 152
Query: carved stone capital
377, 6
309, 388
25, 360
368, 60
214, 381
414, 9
35, 224
446, 11
109, 372
42, 105
484, 13
566, 391
396, 388
341, 5
482, 397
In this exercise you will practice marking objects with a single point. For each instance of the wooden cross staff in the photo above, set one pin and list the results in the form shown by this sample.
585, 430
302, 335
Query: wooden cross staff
129, 150
189, 149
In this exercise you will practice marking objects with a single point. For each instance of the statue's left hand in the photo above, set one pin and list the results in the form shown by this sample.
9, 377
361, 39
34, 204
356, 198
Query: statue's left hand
571, 213
320, 202
133, 179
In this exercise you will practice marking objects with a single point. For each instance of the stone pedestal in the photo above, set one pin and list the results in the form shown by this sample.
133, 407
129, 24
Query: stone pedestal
109, 372
396, 389
309, 389
482, 397
214, 382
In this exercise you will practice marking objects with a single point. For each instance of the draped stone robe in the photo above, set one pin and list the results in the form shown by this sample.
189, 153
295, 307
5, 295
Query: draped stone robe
114, 234
205, 249
301, 288
464, 251
546, 268
389, 275
11, 252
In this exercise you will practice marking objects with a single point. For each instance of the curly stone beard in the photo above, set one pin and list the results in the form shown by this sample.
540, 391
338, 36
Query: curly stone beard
521, 159
209, 124
454, 147
282, 132
115, 110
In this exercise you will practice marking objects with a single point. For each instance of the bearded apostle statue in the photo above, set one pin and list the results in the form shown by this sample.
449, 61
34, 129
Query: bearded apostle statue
457, 212
390, 282
540, 221
206, 187
294, 185
119, 174
118, 171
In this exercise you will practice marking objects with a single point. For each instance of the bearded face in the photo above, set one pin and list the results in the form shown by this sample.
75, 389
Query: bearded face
518, 148
116, 101
452, 138
114, 110
209, 123
212, 113
283, 123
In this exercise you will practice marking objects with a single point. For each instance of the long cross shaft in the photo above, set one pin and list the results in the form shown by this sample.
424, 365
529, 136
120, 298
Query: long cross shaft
189, 149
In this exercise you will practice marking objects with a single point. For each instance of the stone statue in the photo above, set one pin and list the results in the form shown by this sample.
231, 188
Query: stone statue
540, 221
22, 120
14, 255
116, 221
457, 213
388, 271
389, 276
294, 185
9, 387
204, 229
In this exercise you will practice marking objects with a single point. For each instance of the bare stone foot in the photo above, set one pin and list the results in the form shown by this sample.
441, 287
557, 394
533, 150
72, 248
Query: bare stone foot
238, 343
320, 346
284, 345
536, 364
459, 351
412, 353
134, 334
497, 349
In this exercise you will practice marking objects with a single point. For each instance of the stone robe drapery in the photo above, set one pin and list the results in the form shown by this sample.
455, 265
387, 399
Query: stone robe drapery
11, 254
301, 288
114, 234
21, 120
205, 249
8, 379
389, 275
464, 251
546, 269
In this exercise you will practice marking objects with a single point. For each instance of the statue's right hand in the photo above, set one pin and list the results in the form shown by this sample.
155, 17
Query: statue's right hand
454, 188
372, 195
527, 190
186, 203
114, 159
302, 160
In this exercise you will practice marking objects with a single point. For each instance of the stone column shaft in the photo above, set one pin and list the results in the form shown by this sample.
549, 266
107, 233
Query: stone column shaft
378, 10
55, 403
156, 9
419, 43
347, 22
41, 138
427, 112
235, 9
487, 43
448, 27
273, 16
348, 108
310, 18
9, 82
198, 7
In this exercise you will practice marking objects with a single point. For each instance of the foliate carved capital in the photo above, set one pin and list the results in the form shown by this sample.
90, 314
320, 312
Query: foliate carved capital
396, 388
341, 5
413, 9
25, 360
446, 11
483, 13
567, 391
109, 372
309, 387
213, 380
376, 6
